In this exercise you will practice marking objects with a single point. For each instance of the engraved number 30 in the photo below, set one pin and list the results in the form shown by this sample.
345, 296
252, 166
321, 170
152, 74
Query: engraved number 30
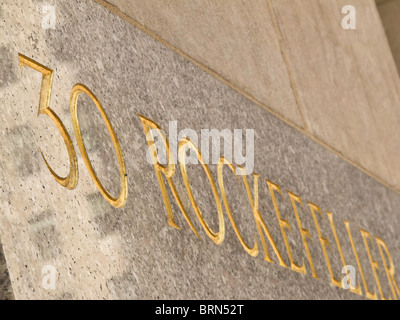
71, 180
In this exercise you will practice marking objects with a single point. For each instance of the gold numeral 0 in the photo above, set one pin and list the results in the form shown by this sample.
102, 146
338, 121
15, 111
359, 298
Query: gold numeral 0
71, 180
116, 202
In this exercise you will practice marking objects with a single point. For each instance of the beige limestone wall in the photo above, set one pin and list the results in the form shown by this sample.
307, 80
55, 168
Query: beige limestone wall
346, 80
339, 87
389, 11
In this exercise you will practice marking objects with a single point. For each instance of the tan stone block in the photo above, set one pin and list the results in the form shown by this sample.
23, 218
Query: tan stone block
390, 15
346, 80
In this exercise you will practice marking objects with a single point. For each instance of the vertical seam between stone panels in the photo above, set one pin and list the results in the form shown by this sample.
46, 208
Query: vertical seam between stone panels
286, 61
217, 76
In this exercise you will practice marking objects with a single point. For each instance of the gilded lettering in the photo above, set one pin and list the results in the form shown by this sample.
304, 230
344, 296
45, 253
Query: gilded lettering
368, 294
168, 171
217, 237
388, 266
303, 232
354, 289
261, 225
374, 264
222, 161
284, 224
324, 243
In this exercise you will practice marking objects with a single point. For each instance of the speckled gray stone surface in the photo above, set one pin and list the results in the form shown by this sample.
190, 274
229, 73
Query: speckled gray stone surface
131, 253
5, 283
